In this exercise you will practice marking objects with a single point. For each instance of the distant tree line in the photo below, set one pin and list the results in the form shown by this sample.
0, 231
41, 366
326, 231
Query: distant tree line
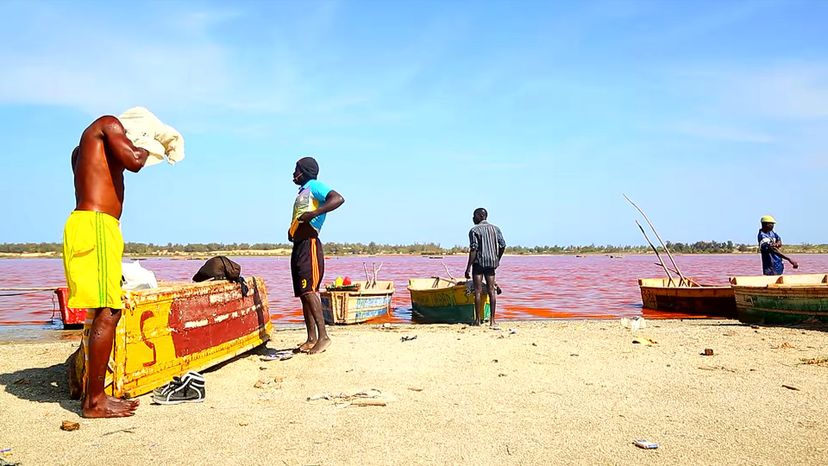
372, 248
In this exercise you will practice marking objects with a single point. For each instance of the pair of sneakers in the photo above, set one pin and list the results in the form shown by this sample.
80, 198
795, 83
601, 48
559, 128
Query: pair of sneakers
187, 389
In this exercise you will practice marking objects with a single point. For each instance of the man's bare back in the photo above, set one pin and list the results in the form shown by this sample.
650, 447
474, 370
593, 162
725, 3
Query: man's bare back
99, 163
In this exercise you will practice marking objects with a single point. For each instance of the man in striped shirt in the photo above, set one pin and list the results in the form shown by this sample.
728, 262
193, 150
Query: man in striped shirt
486, 247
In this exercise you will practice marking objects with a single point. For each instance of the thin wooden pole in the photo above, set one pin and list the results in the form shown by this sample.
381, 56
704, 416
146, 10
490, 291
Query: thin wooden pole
447, 271
376, 273
659, 239
655, 250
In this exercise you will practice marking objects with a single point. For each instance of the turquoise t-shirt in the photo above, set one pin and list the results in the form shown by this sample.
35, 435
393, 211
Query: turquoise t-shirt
311, 195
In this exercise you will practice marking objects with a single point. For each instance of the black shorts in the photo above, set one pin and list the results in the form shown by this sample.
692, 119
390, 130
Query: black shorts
307, 265
478, 270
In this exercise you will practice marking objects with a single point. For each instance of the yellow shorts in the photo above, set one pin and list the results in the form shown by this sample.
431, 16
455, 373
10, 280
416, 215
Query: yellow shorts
92, 252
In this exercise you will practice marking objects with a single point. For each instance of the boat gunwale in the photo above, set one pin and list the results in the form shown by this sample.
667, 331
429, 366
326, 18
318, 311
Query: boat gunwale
809, 280
364, 292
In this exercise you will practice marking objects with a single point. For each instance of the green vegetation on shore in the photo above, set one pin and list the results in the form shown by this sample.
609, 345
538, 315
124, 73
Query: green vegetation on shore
431, 249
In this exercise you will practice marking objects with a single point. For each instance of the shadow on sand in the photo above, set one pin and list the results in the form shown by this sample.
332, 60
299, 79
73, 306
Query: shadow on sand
41, 385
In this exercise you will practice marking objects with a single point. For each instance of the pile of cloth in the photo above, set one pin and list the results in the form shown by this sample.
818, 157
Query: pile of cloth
147, 131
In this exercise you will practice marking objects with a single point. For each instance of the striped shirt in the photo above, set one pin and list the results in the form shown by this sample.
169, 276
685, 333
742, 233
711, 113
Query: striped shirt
487, 240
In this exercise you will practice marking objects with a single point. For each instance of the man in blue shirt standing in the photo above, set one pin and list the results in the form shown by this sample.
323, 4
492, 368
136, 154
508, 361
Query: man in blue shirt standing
769, 244
307, 260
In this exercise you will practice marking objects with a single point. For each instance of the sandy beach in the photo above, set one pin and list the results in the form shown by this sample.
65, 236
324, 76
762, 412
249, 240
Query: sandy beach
557, 392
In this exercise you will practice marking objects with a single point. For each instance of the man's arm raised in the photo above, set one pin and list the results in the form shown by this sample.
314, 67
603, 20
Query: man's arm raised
133, 158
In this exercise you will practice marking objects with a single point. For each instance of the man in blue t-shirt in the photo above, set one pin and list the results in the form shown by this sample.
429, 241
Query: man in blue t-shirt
307, 260
769, 244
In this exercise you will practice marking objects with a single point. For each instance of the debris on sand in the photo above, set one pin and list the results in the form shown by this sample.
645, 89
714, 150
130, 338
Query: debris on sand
282, 355
69, 426
370, 397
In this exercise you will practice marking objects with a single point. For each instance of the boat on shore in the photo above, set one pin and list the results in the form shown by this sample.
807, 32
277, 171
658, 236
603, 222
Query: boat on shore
443, 300
357, 303
665, 294
781, 299
166, 331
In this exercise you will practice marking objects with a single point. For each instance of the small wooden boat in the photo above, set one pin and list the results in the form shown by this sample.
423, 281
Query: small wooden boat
175, 328
782, 299
356, 303
441, 300
665, 294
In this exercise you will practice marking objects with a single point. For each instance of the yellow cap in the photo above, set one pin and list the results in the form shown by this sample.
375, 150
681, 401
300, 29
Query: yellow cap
767, 219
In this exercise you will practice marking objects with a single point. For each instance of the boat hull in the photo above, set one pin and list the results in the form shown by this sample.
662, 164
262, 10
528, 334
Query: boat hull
167, 331
662, 295
782, 299
354, 307
442, 301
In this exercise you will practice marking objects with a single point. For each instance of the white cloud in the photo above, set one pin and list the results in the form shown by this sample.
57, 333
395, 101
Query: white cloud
102, 67
796, 91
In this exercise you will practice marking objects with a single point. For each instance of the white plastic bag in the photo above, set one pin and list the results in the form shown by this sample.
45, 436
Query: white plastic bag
135, 277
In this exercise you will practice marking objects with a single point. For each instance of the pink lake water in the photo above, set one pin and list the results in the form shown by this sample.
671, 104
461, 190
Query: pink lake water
534, 287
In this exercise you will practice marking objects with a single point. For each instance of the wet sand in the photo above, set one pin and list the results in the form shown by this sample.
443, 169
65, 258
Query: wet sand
563, 392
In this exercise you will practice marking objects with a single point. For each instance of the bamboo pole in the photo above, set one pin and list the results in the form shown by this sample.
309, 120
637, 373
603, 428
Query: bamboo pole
655, 250
447, 271
683, 279
376, 273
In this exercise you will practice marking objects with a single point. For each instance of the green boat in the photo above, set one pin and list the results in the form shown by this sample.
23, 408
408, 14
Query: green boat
781, 299
441, 300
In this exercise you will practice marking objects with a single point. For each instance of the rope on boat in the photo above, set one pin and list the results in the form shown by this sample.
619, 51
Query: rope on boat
21, 293
8, 291
42, 288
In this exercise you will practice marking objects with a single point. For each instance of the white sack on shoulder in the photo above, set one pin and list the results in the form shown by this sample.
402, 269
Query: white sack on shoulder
145, 130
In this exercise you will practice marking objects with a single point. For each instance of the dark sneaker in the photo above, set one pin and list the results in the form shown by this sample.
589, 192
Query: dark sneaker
177, 382
188, 389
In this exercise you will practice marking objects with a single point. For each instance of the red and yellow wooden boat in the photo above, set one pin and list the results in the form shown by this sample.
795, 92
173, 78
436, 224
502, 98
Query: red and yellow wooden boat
175, 328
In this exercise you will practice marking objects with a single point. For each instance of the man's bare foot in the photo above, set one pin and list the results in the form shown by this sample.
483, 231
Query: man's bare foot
109, 407
306, 346
321, 345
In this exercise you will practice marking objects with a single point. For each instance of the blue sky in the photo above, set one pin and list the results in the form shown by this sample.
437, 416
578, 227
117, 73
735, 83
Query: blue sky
708, 114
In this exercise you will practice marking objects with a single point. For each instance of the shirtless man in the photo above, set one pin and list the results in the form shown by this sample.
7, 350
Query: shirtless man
92, 250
